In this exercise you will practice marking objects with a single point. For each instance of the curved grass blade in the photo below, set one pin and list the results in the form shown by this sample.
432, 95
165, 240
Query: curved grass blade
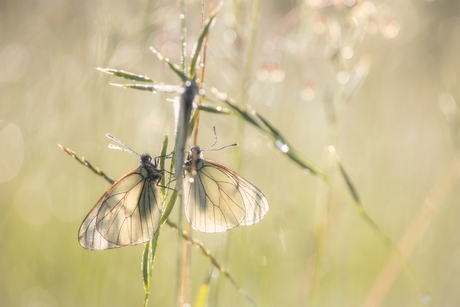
147, 264
169, 206
162, 165
156, 88
173, 66
86, 163
213, 109
350, 185
126, 75
199, 43
241, 111
275, 131
151, 247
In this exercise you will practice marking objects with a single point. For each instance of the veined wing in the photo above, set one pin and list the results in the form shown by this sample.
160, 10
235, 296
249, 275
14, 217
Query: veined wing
218, 199
127, 214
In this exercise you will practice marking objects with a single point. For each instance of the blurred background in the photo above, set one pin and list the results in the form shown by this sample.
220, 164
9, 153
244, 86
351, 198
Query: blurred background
378, 81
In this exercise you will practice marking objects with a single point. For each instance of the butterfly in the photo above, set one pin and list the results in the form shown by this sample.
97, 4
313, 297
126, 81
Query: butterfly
218, 199
129, 213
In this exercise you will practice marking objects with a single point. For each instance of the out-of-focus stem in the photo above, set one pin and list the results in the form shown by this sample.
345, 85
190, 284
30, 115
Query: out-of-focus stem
247, 77
413, 234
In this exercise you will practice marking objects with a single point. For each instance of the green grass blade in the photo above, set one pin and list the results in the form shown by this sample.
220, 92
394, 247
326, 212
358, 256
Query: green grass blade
162, 165
350, 185
126, 75
213, 109
199, 43
275, 131
163, 88
203, 292
145, 265
141, 87
239, 110
173, 66
169, 207
151, 259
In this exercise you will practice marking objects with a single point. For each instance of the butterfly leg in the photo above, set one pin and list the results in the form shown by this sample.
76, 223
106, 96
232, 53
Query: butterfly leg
162, 186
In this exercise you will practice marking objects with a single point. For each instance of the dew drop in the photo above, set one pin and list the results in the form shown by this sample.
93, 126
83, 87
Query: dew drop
391, 29
191, 180
283, 147
343, 77
181, 16
277, 75
262, 74
347, 53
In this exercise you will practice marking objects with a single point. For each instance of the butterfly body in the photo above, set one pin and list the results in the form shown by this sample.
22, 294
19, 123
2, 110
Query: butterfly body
218, 199
129, 213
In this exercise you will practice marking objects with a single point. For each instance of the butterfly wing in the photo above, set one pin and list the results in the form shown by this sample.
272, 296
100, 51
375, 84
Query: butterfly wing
127, 214
218, 199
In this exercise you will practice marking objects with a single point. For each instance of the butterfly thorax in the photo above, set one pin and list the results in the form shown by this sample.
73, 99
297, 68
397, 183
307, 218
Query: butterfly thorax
152, 170
189, 160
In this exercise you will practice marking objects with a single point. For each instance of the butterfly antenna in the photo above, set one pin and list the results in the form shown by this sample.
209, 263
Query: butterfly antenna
236, 144
168, 156
215, 141
121, 143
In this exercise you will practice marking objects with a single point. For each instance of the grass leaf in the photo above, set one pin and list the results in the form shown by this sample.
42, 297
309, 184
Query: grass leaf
126, 75
199, 43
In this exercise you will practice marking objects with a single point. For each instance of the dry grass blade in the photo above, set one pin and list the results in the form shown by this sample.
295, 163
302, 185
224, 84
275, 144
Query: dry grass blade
87, 164
412, 236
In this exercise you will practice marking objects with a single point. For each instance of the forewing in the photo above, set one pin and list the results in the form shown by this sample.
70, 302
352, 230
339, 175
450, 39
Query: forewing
88, 236
218, 199
128, 214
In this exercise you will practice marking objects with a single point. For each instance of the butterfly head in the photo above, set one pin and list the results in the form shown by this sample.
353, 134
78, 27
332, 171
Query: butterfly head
146, 160
194, 150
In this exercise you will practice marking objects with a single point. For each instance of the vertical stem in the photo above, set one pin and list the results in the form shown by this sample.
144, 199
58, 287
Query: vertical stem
247, 76
183, 35
322, 199
321, 227
186, 259
179, 273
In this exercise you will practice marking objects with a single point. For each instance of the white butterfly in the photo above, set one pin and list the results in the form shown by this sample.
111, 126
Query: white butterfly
129, 213
218, 199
